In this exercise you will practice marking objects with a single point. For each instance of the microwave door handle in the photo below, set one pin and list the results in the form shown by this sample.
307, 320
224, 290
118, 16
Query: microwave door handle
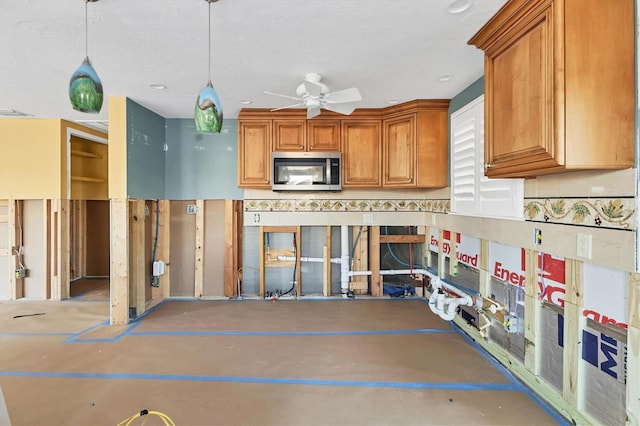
327, 178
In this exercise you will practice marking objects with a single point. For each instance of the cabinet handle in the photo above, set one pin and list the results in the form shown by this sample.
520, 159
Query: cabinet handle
487, 166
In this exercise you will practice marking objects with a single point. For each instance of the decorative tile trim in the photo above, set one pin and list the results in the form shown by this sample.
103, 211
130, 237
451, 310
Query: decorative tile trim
315, 205
615, 213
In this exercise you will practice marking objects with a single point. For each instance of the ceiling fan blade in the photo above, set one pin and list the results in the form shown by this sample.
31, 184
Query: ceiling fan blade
313, 112
312, 88
345, 108
288, 106
282, 96
346, 95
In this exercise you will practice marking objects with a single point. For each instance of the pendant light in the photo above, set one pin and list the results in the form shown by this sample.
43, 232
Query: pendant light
85, 87
208, 110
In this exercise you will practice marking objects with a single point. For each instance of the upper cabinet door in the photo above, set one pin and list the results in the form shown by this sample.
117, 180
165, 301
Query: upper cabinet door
399, 154
323, 135
519, 108
289, 135
361, 156
254, 154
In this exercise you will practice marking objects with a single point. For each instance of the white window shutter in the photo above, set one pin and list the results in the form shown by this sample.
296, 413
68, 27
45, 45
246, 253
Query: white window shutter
472, 193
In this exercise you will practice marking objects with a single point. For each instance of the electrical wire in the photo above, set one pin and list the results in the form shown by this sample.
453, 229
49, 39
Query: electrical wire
146, 413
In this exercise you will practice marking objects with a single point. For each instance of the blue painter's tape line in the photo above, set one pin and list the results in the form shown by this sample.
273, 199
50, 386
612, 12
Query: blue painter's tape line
74, 336
34, 334
287, 333
268, 380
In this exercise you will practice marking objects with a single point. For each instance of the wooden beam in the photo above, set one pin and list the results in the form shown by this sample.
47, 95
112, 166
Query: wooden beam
53, 249
82, 238
291, 229
532, 306
15, 285
199, 248
374, 261
230, 261
573, 325
441, 256
64, 248
633, 351
164, 247
360, 260
119, 313
137, 263
453, 254
402, 239
46, 226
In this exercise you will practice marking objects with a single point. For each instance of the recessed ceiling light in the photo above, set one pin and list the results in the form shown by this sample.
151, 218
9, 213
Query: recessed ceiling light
392, 101
244, 101
445, 77
157, 86
458, 6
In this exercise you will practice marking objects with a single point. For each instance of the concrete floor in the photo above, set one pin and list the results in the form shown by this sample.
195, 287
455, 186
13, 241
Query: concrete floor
252, 362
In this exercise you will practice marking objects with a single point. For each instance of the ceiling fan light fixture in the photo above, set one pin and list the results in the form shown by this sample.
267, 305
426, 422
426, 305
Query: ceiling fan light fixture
85, 87
208, 114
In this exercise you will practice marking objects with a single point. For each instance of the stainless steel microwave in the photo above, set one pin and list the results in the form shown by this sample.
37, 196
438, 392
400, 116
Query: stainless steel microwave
306, 171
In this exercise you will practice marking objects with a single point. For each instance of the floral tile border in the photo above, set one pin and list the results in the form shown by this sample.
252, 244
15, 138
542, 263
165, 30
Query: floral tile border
296, 205
615, 213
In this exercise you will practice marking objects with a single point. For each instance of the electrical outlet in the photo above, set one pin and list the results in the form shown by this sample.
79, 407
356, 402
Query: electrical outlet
20, 273
192, 209
583, 248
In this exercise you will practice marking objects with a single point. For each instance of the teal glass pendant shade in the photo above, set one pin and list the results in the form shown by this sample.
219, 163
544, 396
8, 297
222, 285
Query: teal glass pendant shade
208, 110
85, 89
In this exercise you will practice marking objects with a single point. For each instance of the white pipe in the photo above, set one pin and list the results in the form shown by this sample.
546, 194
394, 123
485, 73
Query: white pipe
444, 305
344, 260
359, 273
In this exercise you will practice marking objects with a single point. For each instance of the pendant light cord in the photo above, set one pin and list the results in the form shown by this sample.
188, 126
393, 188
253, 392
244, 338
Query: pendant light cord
86, 30
209, 40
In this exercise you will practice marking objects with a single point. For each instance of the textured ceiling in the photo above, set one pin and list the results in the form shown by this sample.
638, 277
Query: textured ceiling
388, 49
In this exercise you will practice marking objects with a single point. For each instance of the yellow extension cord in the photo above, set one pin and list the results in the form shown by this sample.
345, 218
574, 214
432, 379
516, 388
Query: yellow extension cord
146, 413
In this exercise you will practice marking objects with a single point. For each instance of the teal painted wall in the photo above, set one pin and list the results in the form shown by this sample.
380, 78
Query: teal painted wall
200, 165
145, 153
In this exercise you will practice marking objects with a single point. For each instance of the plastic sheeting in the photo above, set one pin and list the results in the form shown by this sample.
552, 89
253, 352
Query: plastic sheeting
551, 351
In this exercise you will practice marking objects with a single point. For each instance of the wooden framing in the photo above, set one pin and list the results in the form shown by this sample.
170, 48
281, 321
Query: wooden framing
280, 229
59, 249
164, 250
374, 261
233, 247
46, 225
15, 285
414, 239
198, 290
119, 313
532, 306
573, 325
78, 237
633, 351
359, 283
137, 263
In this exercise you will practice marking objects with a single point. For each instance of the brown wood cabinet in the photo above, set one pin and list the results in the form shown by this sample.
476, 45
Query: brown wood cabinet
361, 153
559, 86
290, 135
254, 153
323, 135
415, 151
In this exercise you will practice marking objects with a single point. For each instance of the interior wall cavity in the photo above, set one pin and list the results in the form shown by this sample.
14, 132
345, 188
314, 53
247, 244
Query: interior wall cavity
182, 245
551, 358
5, 291
604, 361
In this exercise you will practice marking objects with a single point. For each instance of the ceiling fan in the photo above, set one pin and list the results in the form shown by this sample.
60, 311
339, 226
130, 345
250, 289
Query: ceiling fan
314, 95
